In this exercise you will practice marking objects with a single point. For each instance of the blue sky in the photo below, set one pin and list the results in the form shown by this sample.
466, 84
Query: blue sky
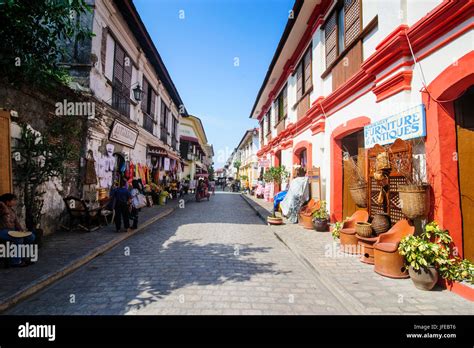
200, 51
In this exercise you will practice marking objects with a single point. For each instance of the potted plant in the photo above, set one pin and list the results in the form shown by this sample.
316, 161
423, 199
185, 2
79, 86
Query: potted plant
429, 255
275, 175
336, 229
321, 218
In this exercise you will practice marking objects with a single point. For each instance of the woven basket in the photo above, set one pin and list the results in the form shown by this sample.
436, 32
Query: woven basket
364, 229
359, 194
380, 223
413, 200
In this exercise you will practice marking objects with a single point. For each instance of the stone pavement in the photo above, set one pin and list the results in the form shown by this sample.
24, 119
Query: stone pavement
212, 257
62, 253
355, 281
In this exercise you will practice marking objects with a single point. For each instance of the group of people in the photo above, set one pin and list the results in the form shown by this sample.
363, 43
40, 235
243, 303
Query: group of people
125, 202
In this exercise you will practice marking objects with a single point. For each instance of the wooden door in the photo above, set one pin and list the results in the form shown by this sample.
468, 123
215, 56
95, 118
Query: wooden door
348, 204
5, 153
465, 139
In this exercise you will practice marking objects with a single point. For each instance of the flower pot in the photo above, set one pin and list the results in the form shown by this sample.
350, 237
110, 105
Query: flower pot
359, 194
306, 221
425, 278
321, 225
413, 200
274, 220
380, 223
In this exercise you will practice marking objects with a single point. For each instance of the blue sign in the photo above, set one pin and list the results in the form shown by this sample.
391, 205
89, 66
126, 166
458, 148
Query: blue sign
408, 124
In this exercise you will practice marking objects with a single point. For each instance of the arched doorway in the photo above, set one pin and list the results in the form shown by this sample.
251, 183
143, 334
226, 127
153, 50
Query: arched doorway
447, 154
344, 136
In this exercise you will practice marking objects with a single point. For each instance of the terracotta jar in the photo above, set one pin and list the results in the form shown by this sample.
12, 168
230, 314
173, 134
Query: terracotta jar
380, 223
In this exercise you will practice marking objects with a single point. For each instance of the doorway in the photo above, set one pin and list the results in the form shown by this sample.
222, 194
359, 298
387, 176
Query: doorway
464, 112
352, 147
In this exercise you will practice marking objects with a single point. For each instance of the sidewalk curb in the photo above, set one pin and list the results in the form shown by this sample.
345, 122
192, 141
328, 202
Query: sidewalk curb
344, 297
50, 278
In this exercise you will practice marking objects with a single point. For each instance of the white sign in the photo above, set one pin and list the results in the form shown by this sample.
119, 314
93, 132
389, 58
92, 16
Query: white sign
123, 134
408, 124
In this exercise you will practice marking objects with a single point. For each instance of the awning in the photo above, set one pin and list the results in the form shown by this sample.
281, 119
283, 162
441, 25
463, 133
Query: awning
156, 150
191, 139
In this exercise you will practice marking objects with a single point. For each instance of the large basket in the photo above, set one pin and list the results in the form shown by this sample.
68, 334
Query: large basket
413, 200
380, 223
364, 229
359, 194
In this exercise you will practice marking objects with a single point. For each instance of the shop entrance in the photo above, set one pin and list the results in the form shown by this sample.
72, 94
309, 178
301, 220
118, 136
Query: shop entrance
352, 147
464, 107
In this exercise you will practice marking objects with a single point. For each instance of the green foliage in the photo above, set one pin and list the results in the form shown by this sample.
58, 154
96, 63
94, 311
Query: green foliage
244, 177
321, 213
33, 37
433, 248
276, 174
211, 173
42, 157
237, 164
336, 230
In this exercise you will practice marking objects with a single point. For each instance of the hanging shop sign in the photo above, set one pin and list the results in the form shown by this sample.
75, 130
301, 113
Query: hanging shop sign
408, 124
123, 134
264, 162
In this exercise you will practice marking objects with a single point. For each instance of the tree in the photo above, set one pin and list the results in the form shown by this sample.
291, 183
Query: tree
237, 166
211, 172
35, 35
38, 159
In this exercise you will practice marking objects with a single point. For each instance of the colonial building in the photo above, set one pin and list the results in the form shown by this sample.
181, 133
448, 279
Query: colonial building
195, 150
348, 75
248, 147
122, 69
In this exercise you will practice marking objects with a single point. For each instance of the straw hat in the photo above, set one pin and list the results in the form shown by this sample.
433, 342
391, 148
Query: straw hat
19, 234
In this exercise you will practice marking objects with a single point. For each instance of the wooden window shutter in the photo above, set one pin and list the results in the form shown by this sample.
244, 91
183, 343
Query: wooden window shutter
103, 48
152, 103
308, 81
163, 113
127, 76
331, 39
145, 95
118, 63
299, 81
285, 101
352, 20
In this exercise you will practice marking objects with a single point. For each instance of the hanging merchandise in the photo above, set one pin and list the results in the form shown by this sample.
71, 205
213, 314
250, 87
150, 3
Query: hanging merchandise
166, 164
91, 175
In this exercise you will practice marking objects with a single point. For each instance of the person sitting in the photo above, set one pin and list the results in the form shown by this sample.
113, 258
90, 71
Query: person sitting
9, 222
298, 193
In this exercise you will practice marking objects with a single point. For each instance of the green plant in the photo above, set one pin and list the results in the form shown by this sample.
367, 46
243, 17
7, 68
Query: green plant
38, 35
433, 248
321, 213
244, 177
276, 174
40, 158
336, 230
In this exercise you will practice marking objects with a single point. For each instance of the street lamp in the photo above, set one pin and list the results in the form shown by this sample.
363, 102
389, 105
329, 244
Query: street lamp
137, 92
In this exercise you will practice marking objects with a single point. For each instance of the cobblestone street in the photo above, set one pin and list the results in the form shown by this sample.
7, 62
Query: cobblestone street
212, 257
218, 257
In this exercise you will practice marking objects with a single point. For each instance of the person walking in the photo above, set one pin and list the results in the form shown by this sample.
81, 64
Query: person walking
122, 198
135, 203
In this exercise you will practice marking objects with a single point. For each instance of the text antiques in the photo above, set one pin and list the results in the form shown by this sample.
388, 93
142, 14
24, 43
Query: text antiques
123, 134
408, 124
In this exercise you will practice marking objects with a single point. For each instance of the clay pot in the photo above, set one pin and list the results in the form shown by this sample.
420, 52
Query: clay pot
425, 278
380, 223
274, 220
321, 225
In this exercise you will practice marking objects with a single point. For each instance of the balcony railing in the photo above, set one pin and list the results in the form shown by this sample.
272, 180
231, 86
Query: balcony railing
148, 123
121, 99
